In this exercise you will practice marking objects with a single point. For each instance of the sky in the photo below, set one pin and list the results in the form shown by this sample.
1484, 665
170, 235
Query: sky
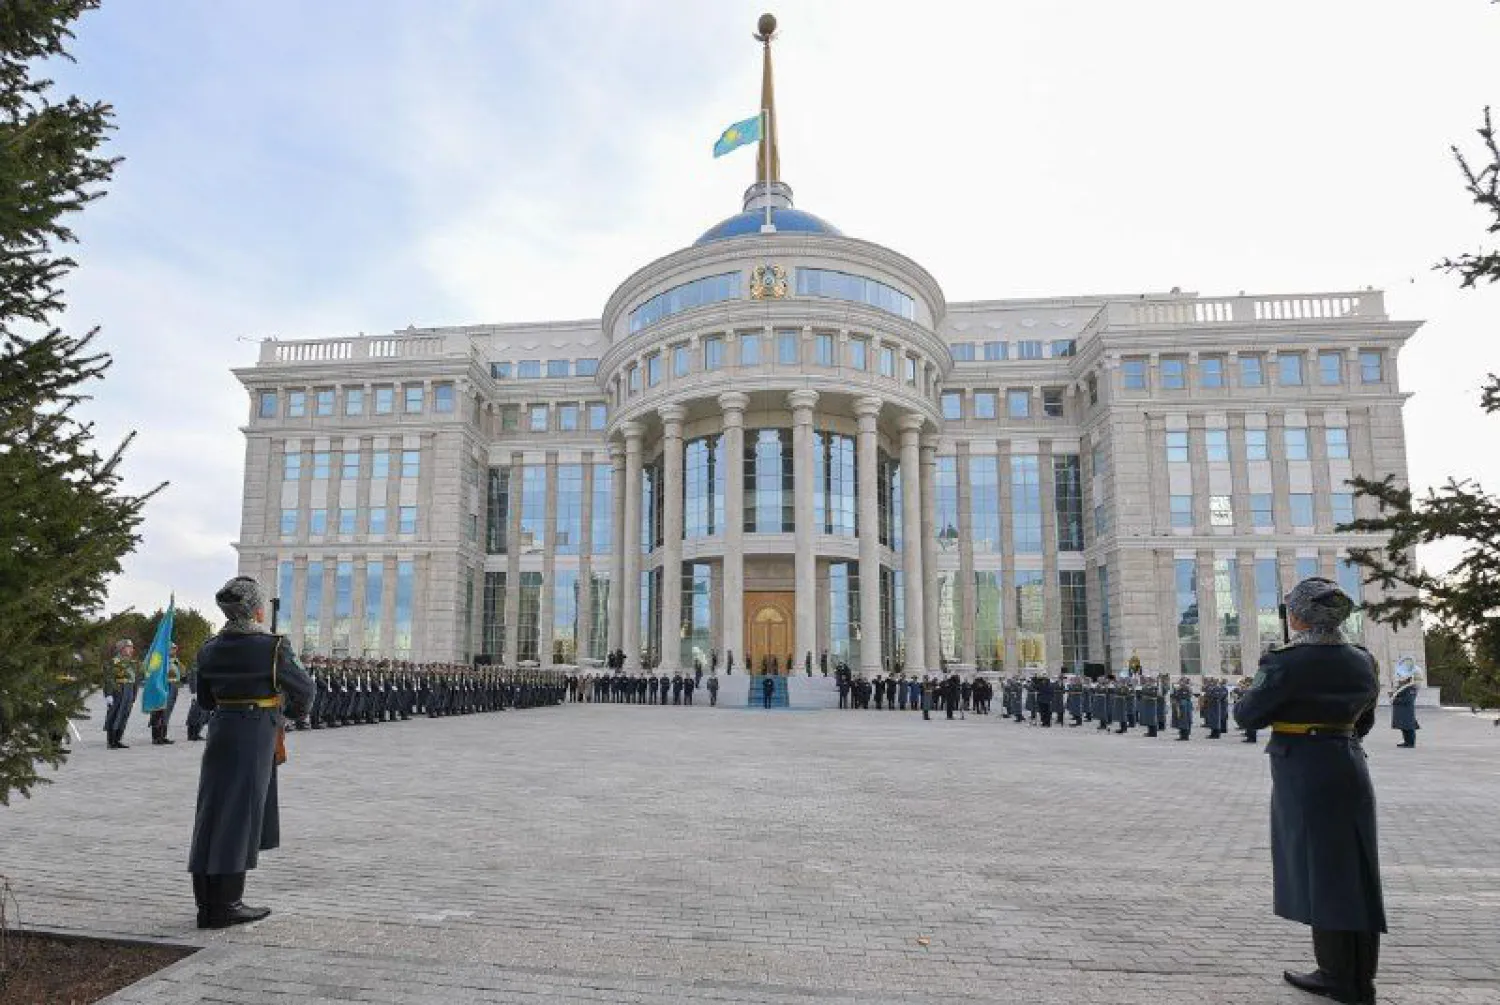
313, 170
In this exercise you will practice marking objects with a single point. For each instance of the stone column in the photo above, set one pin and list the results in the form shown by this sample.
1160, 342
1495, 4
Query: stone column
868, 461
630, 593
546, 616
805, 564
671, 548
617, 548
1051, 588
583, 638
931, 636
512, 564
963, 592
732, 602
911, 539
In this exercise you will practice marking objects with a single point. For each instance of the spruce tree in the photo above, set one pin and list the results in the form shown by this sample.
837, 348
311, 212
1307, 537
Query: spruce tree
1465, 600
64, 521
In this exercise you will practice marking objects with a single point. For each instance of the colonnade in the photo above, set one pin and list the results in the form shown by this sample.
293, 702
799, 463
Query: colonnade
918, 466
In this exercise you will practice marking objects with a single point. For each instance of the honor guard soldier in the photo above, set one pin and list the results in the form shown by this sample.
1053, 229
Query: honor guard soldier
1235, 694
1182, 708
1151, 711
119, 690
1318, 693
163, 716
1404, 702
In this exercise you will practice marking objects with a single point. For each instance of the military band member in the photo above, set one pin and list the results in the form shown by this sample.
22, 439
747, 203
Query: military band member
1182, 708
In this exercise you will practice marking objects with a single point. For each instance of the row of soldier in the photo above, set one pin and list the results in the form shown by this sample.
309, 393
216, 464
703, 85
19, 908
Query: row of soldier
1125, 702
897, 692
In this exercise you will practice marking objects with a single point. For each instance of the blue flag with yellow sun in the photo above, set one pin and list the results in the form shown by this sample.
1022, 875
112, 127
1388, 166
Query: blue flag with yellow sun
155, 692
737, 136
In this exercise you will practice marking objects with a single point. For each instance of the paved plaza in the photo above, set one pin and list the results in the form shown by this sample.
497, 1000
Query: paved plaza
609, 853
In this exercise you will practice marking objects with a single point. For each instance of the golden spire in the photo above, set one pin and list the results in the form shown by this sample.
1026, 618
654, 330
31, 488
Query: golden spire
768, 162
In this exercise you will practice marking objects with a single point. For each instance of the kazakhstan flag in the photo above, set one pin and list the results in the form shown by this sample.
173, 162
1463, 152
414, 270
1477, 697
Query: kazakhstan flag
155, 692
738, 135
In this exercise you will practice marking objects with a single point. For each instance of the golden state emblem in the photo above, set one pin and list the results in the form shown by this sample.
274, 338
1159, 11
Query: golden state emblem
768, 282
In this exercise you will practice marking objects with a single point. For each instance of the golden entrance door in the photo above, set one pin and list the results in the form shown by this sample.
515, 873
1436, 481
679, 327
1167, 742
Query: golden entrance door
769, 627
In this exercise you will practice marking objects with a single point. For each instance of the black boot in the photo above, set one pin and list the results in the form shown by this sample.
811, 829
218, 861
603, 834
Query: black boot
1335, 976
200, 897
226, 908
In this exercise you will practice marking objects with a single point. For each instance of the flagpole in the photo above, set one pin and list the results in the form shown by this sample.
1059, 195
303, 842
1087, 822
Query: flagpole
765, 132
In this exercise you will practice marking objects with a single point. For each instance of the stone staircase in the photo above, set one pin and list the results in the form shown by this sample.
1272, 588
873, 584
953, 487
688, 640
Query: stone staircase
757, 696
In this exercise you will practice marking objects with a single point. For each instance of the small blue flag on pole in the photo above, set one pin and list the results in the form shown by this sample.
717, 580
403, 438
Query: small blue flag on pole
738, 135
155, 691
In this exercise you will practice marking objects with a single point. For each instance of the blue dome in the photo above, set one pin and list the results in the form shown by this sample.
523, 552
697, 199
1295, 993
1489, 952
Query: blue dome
786, 221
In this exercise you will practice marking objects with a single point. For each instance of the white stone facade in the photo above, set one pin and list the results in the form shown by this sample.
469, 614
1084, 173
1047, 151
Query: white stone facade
1007, 483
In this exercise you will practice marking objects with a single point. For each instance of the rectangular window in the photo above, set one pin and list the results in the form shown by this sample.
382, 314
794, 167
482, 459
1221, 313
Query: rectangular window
537, 419
598, 414
1267, 602
682, 361
268, 404
986, 405
1210, 371
354, 401
564, 616
533, 508
984, 493
1026, 504
1052, 403
1338, 443
1330, 368
407, 520
380, 464
1173, 373
289, 523
946, 504
442, 398
586, 367
569, 514
859, 353
963, 352
291, 467
633, 378
296, 404
1255, 445
1289, 369
1301, 506
1031, 619
1182, 511
653, 369
559, 368
1371, 368
1067, 495
1217, 443
1134, 371
1227, 606
567, 418
823, 350
1093, 384
786, 348
911, 372
1307, 567
603, 515
996, 351
1220, 511
385, 400
500, 371
1029, 349
1351, 580
1186, 578
406, 588
1177, 446
953, 405
322, 463
1262, 511
323, 401
989, 624
1064, 347
1252, 370
374, 604
411, 463
887, 362
529, 369
1101, 520
750, 354
312, 607
1018, 403
1343, 508
1073, 593
497, 510
377, 520
317, 524
1296, 443
528, 633
713, 352
346, 520
349, 470
412, 398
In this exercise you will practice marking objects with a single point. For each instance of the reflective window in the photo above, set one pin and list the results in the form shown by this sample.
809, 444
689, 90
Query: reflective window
653, 369
1064, 347
377, 520
285, 587
1177, 446
1267, 602
343, 606
413, 399
843, 286
703, 473
786, 347
289, 523
323, 401
1350, 580
533, 508
1307, 567
492, 620
696, 636
1255, 445
406, 520
1134, 374
1371, 368
823, 350
859, 353
989, 623
603, 518
994, 351
557, 368
346, 520
322, 463
682, 360
1343, 508
406, 589
442, 398
354, 401
1289, 369
769, 507
291, 466
1073, 592
963, 352
296, 404
986, 405
1338, 443
633, 377
1031, 618
586, 367
911, 371
529, 369
599, 607
1262, 511
887, 361
385, 400
500, 371
529, 619
1182, 511
1227, 606
411, 463
312, 608
1018, 403
1029, 349
708, 290
565, 616
750, 354
1301, 506
1252, 370
1210, 371
888, 500
1330, 368
569, 529
984, 503
497, 511
1217, 443
1052, 403
1093, 385
1189, 655
843, 614
380, 464
1026, 504
598, 415
567, 418
945, 509
713, 352
1296, 443
953, 405
1067, 494
1173, 373
1220, 511
537, 418
268, 404
651, 505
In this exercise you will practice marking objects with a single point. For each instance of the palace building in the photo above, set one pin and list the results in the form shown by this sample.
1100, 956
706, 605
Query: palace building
783, 441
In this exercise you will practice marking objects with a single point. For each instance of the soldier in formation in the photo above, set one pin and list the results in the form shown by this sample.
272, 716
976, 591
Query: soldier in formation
355, 692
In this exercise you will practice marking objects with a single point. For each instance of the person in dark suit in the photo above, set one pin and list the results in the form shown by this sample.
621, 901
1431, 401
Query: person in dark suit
767, 688
252, 683
1317, 693
1404, 702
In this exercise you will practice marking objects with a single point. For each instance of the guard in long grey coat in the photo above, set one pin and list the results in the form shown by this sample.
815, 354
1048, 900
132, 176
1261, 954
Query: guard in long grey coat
1318, 695
251, 682
1404, 703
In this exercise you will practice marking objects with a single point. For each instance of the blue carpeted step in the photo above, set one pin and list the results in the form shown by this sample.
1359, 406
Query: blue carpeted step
757, 696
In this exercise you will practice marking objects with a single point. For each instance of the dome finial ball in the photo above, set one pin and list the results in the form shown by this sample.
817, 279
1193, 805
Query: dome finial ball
766, 26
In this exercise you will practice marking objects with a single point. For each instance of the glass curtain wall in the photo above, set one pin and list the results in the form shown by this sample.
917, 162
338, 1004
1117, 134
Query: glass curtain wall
1073, 590
843, 614
374, 605
1026, 504
1067, 480
599, 608
569, 531
946, 510
312, 608
603, 517
835, 504
697, 634
1031, 618
533, 508
406, 590
989, 621
565, 615
1190, 657
529, 619
703, 476
1227, 607
492, 620
497, 511
343, 607
770, 506
984, 504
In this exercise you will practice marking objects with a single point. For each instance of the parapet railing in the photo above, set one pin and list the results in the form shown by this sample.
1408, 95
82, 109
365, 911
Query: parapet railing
1242, 309
376, 347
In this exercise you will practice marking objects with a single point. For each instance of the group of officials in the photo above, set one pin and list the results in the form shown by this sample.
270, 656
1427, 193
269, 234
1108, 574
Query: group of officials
1316, 694
618, 687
